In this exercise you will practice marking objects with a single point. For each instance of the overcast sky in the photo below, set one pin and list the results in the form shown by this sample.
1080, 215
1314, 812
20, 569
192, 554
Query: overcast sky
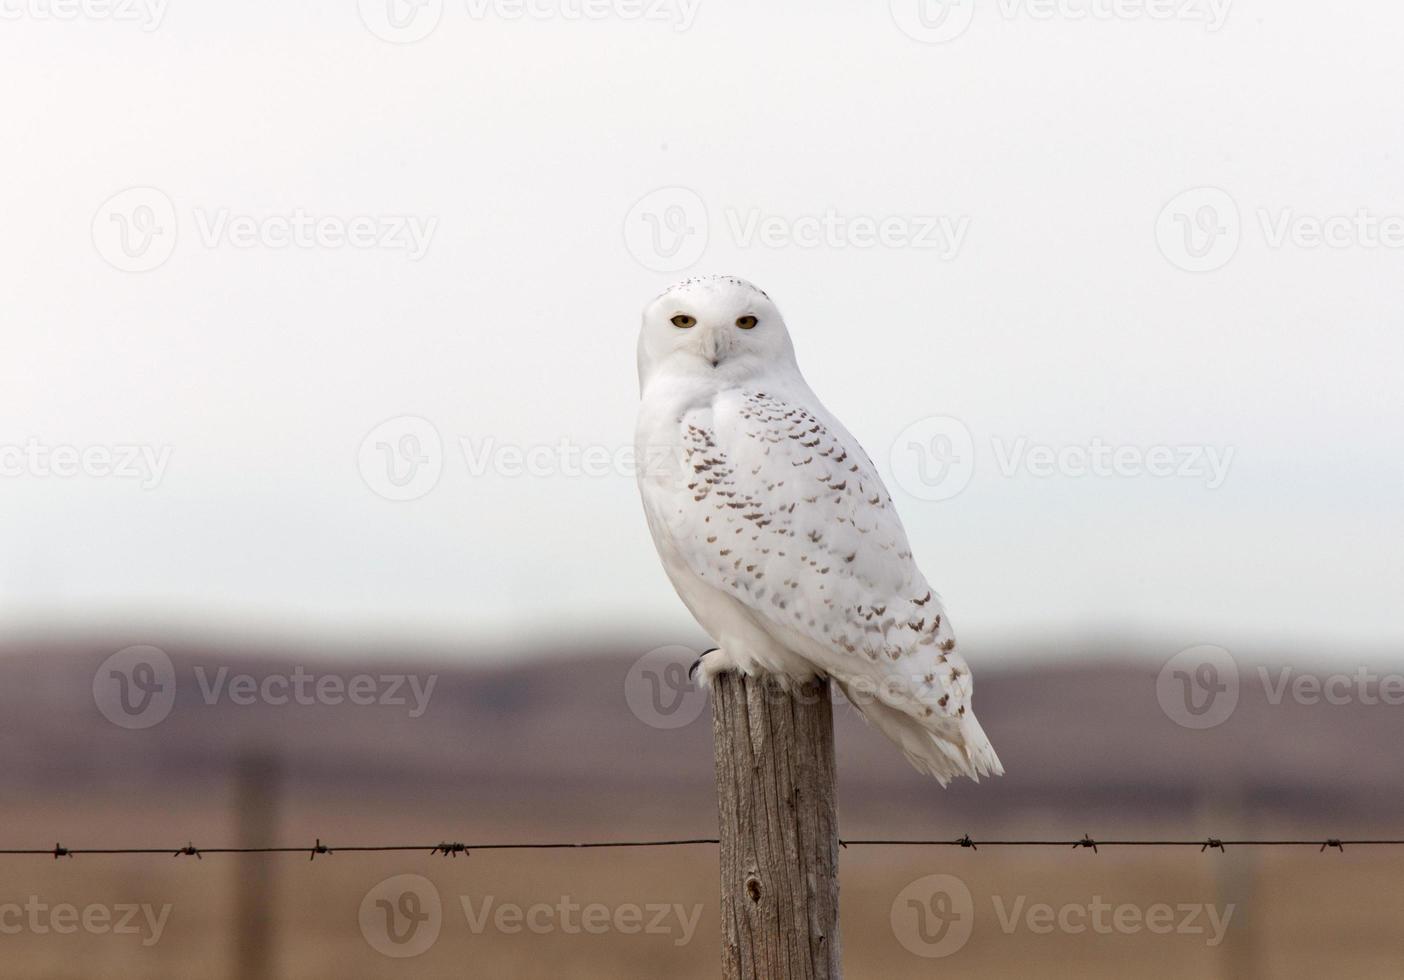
1112, 298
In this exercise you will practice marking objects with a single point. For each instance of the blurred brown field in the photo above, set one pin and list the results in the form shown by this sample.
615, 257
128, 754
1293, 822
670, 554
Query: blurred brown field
550, 750
1296, 913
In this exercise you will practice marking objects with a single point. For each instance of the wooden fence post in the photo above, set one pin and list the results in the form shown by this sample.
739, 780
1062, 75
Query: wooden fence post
779, 830
256, 881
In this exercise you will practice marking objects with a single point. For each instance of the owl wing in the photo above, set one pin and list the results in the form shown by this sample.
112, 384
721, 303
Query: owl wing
782, 510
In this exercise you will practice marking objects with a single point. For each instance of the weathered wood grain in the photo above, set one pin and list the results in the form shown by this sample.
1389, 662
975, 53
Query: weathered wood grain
779, 830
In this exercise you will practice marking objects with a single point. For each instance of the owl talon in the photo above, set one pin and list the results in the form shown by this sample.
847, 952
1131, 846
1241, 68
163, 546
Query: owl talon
698, 662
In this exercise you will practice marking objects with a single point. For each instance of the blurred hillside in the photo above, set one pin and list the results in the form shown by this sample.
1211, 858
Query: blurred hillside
1087, 741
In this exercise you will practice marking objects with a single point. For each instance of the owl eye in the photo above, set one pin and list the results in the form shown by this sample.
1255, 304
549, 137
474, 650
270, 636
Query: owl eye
747, 323
683, 321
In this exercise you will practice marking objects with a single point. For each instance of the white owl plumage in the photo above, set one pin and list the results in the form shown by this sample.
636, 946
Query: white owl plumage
778, 534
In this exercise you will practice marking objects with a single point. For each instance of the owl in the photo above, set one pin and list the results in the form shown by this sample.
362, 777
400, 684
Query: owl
778, 534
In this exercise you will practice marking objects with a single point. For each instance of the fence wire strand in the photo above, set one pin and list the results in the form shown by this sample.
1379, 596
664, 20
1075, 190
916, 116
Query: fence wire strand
456, 848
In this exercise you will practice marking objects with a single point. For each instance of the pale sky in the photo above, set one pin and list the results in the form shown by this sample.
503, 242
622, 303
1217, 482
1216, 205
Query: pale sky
508, 176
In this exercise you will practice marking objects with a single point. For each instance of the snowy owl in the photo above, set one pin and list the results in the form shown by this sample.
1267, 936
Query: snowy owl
778, 534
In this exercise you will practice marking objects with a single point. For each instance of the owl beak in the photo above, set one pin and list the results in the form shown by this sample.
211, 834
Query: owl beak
711, 346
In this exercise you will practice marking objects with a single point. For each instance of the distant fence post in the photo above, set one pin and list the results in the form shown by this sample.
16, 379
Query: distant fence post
779, 830
256, 895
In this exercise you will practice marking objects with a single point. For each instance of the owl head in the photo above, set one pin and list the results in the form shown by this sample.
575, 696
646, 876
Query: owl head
718, 327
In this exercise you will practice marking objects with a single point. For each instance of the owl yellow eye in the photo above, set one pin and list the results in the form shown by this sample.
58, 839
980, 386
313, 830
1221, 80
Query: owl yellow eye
747, 323
684, 321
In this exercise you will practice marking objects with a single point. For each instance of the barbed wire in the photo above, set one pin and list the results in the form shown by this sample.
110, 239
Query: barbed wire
454, 848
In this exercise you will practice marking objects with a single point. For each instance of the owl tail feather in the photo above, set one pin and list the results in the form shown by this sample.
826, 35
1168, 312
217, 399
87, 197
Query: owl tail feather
936, 754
